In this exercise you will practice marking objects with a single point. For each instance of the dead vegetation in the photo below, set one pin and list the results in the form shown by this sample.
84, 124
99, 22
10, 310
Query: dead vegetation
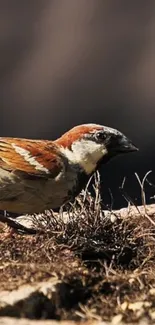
102, 267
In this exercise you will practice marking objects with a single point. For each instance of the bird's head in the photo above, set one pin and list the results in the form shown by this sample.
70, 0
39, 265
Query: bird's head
90, 145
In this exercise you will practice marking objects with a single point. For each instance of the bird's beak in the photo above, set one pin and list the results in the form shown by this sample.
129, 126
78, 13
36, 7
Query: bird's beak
132, 147
125, 145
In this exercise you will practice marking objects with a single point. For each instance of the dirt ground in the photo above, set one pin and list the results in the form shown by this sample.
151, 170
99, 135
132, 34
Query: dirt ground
103, 269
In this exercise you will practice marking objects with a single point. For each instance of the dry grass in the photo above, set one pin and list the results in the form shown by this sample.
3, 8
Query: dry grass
103, 268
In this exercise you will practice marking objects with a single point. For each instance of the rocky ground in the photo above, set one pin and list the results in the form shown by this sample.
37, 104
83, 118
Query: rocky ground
88, 266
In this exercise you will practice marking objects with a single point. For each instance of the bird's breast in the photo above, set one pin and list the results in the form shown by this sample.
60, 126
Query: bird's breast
28, 195
64, 189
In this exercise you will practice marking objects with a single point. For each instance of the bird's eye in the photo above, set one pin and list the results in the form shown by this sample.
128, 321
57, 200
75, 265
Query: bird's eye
101, 136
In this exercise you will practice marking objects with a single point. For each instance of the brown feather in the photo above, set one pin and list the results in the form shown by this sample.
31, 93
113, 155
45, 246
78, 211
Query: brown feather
44, 152
76, 134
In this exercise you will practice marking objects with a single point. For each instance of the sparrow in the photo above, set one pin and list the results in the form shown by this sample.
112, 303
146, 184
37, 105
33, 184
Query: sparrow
38, 175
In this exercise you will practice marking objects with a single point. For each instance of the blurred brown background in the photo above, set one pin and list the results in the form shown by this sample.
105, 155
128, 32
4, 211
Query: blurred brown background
68, 62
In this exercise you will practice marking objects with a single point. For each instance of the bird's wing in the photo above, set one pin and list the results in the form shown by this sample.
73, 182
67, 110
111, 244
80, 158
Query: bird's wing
31, 157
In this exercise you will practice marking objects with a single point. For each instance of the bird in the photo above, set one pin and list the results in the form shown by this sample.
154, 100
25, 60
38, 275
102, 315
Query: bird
39, 175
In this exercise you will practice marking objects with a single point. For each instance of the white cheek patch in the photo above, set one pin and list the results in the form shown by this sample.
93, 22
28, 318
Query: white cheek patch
28, 157
86, 153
